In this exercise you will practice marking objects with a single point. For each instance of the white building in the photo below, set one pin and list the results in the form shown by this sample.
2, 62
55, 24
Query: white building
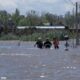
42, 27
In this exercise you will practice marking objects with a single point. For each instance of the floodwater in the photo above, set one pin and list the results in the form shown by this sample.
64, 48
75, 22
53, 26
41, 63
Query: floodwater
26, 62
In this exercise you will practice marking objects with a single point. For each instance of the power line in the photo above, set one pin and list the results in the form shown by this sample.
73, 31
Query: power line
70, 2
65, 1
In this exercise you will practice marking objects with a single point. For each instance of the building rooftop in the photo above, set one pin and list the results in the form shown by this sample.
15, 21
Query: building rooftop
42, 27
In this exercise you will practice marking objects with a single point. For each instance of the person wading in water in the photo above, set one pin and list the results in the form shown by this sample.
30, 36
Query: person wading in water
39, 43
56, 43
47, 43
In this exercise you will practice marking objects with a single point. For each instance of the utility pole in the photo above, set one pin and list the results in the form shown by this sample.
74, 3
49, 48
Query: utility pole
77, 33
73, 28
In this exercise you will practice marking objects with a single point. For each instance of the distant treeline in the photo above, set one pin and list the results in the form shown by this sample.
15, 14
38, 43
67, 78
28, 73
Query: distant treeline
32, 18
9, 22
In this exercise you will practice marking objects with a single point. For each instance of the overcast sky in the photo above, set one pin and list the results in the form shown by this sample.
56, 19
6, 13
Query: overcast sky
52, 6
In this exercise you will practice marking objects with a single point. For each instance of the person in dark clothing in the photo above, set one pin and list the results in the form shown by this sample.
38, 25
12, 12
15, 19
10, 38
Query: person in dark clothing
47, 44
39, 43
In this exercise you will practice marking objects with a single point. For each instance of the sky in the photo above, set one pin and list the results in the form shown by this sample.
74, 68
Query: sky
59, 7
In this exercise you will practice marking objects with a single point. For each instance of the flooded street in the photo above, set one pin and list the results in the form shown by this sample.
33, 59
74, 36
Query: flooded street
26, 62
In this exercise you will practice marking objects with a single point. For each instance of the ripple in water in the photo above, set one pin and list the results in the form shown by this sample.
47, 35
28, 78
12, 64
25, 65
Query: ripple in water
68, 67
3, 78
42, 75
44, 65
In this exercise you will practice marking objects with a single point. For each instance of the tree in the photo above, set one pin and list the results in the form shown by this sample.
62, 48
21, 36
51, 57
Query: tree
49, 17
16, 17
22, 22
68, 19
33, 19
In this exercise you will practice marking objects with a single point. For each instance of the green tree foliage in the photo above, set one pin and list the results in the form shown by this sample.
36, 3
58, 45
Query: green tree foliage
52, 19
16, 17
34, 19
22, 21
4, 17
69, 19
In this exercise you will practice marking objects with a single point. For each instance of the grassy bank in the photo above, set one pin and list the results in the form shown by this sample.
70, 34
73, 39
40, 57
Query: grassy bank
33, 37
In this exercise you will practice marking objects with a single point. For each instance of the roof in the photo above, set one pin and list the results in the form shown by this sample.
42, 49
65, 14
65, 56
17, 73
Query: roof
42, 27
22, 27
50, 27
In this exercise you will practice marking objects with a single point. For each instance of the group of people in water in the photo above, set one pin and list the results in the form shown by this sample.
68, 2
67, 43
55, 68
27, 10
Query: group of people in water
47, 43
